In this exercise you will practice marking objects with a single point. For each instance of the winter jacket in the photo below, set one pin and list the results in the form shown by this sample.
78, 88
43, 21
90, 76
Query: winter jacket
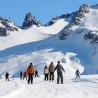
59, 68
51, 68
25, 74
46, 70
7, 75
77, 72
30, 70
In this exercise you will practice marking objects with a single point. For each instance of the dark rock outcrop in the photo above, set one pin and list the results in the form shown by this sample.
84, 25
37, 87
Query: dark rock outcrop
75, 19
3, 32
30, 21
7, 25
93, 37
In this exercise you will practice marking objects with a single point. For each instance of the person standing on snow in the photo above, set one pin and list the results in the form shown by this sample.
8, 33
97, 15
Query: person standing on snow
21, 75
25, 75
59, 69
46, 72
36, 74
30, 71
77, 73
51, 71
7, 76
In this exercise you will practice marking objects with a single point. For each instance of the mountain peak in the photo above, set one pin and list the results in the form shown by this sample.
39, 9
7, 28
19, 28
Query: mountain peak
30, 20
75, 20
7, 25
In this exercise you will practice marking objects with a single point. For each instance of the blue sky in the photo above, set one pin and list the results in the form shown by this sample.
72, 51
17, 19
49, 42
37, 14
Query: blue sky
44, 10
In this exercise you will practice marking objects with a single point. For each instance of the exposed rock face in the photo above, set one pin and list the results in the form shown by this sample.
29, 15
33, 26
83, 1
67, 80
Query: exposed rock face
30, 21
54, 19
7, 25
3, 32
76, 18
92, 36
84, 9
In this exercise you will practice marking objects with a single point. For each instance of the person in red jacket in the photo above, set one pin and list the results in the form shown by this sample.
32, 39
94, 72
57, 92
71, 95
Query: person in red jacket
25, 75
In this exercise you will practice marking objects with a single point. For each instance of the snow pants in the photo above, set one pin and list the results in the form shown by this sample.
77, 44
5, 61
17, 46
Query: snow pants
30, 78
36, 75
7, 78
46, 77
51, 76
77, 76
59, 77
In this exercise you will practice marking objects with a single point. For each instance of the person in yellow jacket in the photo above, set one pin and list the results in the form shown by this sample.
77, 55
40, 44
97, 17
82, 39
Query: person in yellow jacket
30, 71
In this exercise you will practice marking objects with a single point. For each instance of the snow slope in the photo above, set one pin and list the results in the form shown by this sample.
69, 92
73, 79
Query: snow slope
87, 49
37, 45
31, 35
90, 20
41, 45
86, 87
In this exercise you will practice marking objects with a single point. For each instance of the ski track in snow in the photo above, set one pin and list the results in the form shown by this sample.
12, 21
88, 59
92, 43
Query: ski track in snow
71, 88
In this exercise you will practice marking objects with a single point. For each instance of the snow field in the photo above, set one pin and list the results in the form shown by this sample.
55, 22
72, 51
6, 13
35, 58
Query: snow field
86, 87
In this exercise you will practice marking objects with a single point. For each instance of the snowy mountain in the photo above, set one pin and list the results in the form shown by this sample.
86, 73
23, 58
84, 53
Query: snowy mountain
70, 38
7, 25
83, 31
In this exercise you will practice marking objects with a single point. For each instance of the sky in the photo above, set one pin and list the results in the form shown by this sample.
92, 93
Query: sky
44, 10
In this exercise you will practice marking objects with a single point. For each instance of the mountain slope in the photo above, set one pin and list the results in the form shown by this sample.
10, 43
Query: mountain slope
71, 39
30, 35
29, 45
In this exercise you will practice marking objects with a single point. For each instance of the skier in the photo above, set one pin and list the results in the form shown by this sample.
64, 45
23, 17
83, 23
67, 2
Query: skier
30, 71
51, 71
36, 74
25, 75
59, 69
21, 75
77, 74
46, 72
7, 76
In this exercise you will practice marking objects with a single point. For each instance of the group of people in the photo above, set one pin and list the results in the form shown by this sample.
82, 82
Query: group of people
29, 74
48, 72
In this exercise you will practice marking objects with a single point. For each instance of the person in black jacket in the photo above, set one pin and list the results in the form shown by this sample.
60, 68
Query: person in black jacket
21, 75
36, 73
77, 74
7, 76
59, 69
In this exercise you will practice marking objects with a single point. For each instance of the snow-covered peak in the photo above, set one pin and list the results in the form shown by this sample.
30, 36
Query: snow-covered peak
82, 20
7, 25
